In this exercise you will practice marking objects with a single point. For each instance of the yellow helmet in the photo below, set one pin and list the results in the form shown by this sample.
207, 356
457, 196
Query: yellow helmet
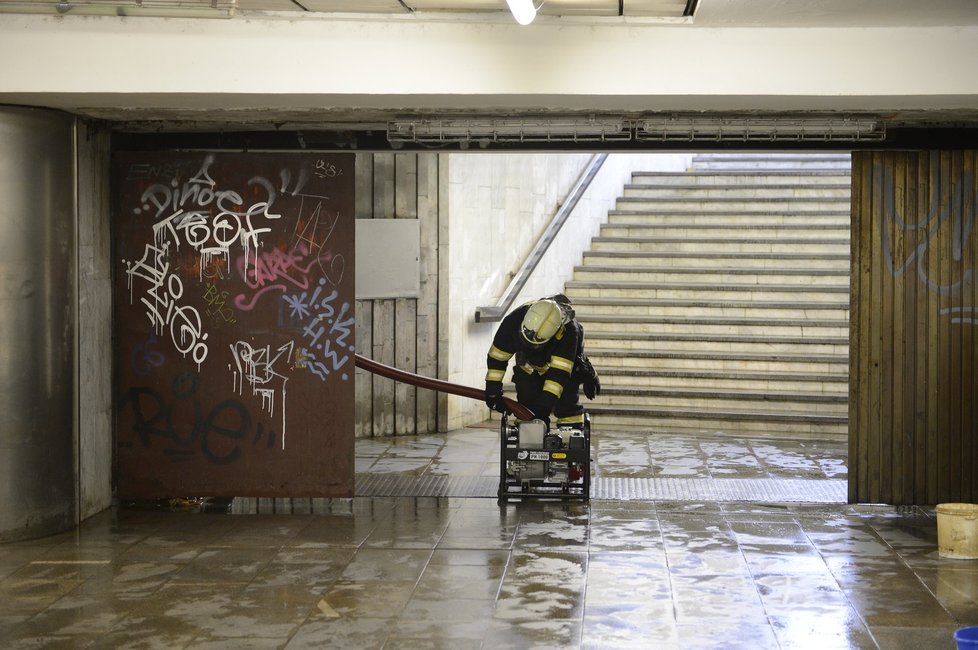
541, 321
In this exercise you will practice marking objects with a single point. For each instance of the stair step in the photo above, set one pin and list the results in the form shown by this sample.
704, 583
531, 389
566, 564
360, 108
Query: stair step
713, 393
588, 308
803, 277
681, 379
669, 344
767, 165
775, 156
730, 244
704, 286
721, 177
726, 270
806, 231
828, 295
838, 219
760, 431
833, 406
748, 190
614, 320
719, 417
651, 206
619, 336
738, 361
714, 197
597, 326
750, 259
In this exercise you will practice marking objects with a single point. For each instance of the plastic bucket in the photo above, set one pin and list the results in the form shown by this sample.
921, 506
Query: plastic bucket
957, 531
967, 638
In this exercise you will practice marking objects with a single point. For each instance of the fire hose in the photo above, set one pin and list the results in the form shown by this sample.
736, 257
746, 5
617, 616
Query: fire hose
397, 374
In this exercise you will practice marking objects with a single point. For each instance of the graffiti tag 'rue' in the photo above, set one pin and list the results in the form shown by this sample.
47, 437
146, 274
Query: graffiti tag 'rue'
217, 433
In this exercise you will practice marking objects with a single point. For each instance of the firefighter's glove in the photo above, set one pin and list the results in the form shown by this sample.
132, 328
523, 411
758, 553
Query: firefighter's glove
592, 387
494, 399
589, 377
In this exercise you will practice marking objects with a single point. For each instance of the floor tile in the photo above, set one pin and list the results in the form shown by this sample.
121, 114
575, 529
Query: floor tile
457, 573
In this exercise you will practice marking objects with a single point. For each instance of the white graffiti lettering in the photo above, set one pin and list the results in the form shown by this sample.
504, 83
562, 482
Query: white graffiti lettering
208, 219
165, 289
256, 366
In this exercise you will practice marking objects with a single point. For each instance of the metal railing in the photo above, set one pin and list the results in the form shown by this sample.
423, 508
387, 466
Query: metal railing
495, 313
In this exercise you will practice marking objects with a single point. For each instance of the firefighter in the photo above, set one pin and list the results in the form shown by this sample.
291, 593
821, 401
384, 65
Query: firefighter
550, 368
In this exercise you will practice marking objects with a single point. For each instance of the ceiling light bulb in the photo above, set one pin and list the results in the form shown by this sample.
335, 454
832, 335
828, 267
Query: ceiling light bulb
523, 11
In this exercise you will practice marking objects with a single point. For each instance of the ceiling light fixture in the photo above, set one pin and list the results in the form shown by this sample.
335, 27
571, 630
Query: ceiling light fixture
827, 128
487, 130
523, 11
151, 8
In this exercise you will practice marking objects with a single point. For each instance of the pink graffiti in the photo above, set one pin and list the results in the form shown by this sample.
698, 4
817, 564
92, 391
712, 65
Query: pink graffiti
276, 270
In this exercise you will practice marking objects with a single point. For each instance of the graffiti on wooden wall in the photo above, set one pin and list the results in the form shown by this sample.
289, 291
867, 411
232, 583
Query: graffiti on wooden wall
234, 299
931, 233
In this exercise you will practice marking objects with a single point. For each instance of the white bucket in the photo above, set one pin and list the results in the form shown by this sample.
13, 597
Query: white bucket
957, 530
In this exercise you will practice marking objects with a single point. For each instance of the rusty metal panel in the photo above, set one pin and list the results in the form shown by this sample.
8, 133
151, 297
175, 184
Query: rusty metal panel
913, 359
234, 308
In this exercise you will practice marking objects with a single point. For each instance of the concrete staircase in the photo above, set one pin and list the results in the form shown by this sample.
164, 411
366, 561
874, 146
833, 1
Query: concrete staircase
718, 299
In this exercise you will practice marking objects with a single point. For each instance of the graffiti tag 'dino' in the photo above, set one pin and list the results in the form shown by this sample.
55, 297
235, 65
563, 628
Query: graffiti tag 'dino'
183, 214
161, 298
326, 329
940, 216
257, 368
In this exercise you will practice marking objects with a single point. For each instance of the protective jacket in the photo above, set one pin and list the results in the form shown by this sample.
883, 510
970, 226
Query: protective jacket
553, 361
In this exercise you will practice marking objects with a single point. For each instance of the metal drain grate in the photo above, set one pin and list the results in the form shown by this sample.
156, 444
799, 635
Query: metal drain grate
396, 485
768, 490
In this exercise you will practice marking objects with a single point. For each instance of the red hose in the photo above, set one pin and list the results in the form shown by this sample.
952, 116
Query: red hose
396, 374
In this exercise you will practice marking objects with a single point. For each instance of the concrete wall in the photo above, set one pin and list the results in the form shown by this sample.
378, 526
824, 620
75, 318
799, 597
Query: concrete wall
498, 206
95, 421
289, 64
38, 323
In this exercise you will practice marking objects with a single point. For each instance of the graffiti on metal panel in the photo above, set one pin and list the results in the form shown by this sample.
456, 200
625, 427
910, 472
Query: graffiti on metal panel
948, 221
326, 329
183, 213
257, 368
145, 357
217, 432
237, 263
161, 298
217, 304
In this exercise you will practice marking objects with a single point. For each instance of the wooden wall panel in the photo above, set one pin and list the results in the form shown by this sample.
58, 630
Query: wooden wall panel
405, 309
912, 357
400, 332
364, 397
427, 344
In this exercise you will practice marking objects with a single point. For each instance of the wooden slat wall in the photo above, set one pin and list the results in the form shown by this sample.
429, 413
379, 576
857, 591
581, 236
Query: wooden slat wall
400, 332
912, 386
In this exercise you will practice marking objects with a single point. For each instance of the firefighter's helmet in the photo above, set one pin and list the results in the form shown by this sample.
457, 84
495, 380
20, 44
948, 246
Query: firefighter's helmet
541, 321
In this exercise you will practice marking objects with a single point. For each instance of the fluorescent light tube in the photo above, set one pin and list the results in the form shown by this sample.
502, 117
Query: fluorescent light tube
523, 11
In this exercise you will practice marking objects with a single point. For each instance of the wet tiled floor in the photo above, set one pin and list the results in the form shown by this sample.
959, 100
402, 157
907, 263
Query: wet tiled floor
423, 572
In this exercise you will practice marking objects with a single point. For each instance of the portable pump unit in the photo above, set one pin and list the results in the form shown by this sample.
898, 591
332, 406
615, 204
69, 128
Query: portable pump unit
537, 462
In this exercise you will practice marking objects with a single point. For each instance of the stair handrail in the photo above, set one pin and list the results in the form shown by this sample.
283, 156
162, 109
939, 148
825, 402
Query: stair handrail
495, 313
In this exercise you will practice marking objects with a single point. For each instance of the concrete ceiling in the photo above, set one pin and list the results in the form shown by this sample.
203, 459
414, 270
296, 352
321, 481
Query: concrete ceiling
691, 14
705, 13
702, 13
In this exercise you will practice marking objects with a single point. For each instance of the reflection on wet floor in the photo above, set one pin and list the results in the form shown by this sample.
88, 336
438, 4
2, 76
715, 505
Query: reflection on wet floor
408, 572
